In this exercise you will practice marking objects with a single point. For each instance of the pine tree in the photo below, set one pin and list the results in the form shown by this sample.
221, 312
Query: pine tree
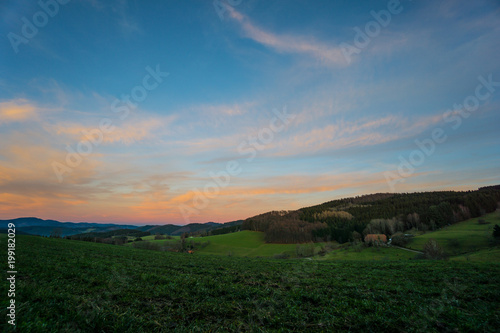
496, 231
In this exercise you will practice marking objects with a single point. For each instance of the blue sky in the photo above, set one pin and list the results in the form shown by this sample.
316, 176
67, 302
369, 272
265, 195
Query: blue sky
359, 93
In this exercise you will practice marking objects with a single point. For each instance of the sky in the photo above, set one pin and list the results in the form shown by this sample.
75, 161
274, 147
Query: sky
156, 112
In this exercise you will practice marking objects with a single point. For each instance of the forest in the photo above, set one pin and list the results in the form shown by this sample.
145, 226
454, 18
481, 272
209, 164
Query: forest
350, 219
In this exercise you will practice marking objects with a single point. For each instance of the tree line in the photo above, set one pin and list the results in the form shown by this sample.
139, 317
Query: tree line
345, 220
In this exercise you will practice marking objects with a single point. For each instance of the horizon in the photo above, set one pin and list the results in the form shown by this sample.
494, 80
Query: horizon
137, 224
178, 113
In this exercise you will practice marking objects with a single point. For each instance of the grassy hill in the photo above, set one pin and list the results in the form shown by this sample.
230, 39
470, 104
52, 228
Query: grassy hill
382, 213
486, 255
244, 244
251, 244
466, 237
152, 238
463, 237
65, 285
368, 254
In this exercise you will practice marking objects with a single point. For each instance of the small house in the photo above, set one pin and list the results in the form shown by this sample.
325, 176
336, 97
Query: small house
376, 239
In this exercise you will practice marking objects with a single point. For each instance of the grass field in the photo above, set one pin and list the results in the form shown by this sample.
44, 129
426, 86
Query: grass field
463, 237
251, 244
241, 244
244, 244
73, 286
369, 253
152, 237
466, 237
486, 255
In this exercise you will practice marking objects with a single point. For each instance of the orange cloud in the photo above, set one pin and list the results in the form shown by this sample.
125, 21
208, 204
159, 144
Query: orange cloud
16, 111
130, 132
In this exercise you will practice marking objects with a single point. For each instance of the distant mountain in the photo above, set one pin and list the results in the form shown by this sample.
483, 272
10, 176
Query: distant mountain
40, 227
36, 226
176, 230
29, 222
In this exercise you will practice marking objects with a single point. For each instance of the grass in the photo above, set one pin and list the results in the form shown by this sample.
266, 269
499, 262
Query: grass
152, 237
369, 253
243, 244
486, 255
463, 237
73, 286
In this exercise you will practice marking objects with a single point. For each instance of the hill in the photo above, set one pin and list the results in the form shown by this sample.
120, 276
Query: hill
345, 220
252, 244
40, 227
243, 244
192, 228
65, 285
466, 238
463, 237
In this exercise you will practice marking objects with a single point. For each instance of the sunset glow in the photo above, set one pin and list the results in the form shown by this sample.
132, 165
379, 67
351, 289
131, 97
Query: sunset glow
163, 112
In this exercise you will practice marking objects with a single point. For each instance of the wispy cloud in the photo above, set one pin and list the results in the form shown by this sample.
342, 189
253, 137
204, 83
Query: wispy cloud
330, 55
131, 131
119, 9
358, 133
17, 110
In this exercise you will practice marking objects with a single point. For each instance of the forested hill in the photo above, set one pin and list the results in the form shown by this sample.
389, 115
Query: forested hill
385, 213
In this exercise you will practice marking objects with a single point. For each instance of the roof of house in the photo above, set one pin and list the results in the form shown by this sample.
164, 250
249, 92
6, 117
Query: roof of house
376, 237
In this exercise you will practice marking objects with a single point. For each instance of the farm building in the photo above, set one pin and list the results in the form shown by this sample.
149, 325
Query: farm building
376, 239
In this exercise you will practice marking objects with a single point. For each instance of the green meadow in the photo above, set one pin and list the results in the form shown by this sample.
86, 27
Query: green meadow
463, 240
74, 286
369, 253
244, 244
486, 255
152, 238
463, 237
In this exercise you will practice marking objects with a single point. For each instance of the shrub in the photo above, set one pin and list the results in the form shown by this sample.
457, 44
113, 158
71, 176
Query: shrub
322, 251
158, 236
432, 250
496, 231
399, 239
305, 250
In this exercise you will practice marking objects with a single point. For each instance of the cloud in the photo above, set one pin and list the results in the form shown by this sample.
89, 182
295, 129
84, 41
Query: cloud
28, 185
17, 110
119, 9
131, 131
357, 133
249, 197
326, 54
